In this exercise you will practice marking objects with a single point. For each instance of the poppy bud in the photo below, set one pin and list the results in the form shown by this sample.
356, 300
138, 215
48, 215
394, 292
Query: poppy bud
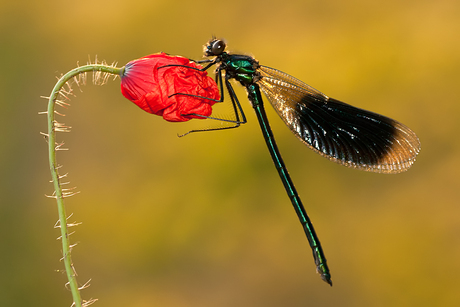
151, 86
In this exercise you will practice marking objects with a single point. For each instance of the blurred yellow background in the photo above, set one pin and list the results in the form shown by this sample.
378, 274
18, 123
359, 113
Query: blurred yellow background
204, 220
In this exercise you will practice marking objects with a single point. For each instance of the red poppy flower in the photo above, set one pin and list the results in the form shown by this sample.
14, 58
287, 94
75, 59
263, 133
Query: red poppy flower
151, 88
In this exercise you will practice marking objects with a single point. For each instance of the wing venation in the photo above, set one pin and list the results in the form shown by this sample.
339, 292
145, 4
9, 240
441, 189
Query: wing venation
338, 131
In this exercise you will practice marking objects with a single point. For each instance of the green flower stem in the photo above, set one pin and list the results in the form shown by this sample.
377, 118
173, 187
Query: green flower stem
53, 146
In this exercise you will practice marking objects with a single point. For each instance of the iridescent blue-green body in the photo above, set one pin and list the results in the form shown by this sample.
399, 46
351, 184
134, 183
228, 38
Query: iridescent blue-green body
344, 134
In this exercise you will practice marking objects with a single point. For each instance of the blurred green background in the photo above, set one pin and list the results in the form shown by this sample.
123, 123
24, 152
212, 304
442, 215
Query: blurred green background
204, 220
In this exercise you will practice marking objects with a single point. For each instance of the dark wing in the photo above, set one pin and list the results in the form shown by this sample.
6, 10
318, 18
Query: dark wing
338, 131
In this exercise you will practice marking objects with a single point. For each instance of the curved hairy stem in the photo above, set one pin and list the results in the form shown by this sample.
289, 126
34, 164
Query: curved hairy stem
101, 72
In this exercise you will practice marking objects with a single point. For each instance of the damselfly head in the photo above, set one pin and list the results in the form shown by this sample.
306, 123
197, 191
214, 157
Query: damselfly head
214, 47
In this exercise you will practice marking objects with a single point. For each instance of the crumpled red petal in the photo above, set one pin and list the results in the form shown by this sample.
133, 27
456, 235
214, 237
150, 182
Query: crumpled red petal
149, 87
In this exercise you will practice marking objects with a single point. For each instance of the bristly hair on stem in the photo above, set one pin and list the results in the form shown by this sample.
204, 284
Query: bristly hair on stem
60, 97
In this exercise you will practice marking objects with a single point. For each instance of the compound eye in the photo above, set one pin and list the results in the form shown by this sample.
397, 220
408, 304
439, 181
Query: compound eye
218, 47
